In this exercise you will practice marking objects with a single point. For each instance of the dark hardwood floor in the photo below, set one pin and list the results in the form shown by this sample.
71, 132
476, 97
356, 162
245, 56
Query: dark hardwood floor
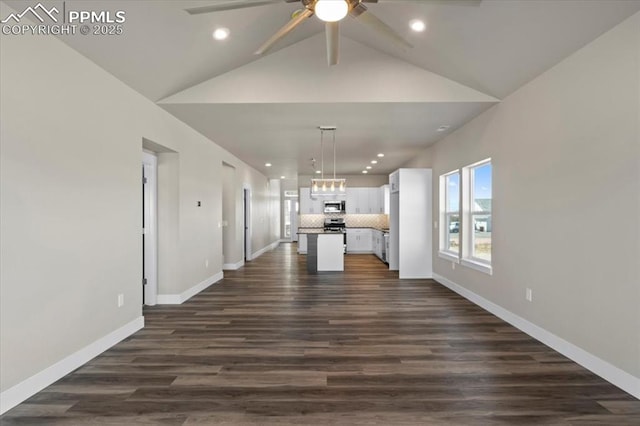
271, 345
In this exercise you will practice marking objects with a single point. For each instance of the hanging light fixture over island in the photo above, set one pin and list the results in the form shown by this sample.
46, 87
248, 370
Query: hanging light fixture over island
328, 187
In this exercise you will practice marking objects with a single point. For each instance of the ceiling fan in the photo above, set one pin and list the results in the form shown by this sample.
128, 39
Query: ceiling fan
329, 11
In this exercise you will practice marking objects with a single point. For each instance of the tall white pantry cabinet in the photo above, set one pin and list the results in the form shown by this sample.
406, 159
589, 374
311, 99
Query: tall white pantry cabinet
410, 218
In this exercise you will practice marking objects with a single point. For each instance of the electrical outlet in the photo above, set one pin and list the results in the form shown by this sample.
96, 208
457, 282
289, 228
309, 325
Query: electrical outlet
120, 300
529, 295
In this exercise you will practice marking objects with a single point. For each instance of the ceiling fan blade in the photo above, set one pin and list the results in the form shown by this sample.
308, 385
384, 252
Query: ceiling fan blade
332, 30
232, 6
363, 15
288, 27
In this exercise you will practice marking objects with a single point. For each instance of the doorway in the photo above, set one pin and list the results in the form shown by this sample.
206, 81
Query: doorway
149, 228
290, 216
247, 222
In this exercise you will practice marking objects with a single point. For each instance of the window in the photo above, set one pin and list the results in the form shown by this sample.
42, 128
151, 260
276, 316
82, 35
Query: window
465, 215
450, 214
477, 223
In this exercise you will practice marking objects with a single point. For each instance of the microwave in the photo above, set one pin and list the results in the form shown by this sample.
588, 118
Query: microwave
334, 206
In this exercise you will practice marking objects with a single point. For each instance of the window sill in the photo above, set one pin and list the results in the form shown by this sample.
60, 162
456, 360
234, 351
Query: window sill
449, 256
478, 266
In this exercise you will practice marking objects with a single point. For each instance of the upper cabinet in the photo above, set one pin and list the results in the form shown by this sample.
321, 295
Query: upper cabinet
384, 199
394, 181
352, 203
358, 201
364, 201
309, 205
373, 194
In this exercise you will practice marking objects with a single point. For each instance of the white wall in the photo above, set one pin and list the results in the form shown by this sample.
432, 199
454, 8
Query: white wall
71, 142
566, 198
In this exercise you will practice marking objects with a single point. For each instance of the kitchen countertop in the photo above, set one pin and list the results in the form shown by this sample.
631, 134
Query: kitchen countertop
322, 231
369, 227
316, 231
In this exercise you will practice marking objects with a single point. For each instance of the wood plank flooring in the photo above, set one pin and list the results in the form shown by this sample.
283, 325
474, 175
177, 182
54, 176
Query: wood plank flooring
271, 345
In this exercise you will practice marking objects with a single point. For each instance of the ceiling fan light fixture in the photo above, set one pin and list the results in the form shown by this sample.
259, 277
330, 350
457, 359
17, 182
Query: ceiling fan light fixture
331, 10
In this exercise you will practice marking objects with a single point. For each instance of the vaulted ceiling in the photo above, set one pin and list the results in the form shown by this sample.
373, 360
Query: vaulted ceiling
382, 98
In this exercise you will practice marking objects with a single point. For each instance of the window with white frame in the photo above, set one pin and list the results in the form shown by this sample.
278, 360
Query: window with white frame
465, 215
477, 224
450, 214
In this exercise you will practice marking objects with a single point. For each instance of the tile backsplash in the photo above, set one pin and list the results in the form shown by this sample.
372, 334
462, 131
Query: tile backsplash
351, 220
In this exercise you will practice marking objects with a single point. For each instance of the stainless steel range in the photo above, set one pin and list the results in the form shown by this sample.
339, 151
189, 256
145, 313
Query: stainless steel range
336, 225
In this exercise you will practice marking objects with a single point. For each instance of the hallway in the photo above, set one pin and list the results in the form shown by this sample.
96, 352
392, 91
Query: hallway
272, 345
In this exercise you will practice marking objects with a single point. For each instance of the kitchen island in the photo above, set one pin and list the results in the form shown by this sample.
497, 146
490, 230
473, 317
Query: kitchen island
325, 250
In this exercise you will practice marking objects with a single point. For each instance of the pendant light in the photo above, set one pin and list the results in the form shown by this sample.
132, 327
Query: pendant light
327, 187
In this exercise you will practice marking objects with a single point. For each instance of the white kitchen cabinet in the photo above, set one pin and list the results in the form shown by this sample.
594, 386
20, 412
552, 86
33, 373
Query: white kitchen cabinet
373, 197
355, 201
363, 201
309, 205
352, 201
378, 242
352, 240
359, 240
384, 199
394, 181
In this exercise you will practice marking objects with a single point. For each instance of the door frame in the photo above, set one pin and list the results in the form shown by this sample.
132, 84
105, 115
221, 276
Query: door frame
246, 202
150, 228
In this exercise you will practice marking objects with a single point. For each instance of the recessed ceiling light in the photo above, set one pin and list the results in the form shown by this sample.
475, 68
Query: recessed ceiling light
267, 164
417, 25
221, 33
368, 167
374, 161
318, 172
380, 155
443, 128
365, 172
282, 177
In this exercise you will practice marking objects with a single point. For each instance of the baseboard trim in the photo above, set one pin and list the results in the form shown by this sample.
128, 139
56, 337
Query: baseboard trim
415, 277
178, 299
602, 368
233, 266
34, 384
262, 251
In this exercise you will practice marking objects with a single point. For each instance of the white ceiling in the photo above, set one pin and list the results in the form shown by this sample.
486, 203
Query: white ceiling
270, 105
